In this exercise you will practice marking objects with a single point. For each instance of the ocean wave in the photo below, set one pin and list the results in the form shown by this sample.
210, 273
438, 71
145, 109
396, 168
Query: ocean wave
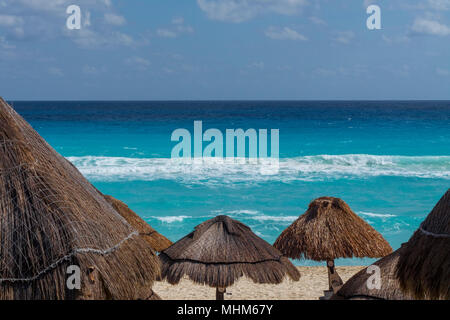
270, 226
307, 168
242, 212
171, 219
263, 218
376, 215
244, 215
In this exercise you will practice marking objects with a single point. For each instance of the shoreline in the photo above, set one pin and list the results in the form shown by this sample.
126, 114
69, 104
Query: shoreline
313, 281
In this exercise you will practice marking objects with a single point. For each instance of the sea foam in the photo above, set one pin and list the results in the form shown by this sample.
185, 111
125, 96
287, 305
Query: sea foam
306, 168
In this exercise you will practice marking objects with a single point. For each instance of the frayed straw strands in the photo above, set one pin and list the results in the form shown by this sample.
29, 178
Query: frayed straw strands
51, 217
424, 268
222, 250
328, 230
154, 296
357, 287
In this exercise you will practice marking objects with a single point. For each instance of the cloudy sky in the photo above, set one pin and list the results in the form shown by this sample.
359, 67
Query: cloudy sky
224, 49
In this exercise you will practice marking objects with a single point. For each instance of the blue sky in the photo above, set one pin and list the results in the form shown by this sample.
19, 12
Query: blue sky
224, 49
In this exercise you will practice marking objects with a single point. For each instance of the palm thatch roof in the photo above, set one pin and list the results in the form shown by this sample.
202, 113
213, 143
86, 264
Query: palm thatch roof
329, 229
222, 250
154, 296
356, 287
424, 268
156, 240
51, 218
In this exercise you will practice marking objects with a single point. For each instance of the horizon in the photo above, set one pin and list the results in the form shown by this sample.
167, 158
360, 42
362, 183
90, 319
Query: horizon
231, 100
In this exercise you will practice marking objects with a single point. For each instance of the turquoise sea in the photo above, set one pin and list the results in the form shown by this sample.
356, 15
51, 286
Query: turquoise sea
390, 161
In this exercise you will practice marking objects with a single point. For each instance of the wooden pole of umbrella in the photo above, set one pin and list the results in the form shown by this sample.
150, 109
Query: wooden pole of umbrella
220, 293
334, 280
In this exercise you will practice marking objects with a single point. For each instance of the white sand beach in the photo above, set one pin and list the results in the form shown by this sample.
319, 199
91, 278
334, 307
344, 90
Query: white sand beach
310, 287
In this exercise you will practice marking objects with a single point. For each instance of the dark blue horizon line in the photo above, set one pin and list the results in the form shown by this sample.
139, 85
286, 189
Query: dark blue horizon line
243, 100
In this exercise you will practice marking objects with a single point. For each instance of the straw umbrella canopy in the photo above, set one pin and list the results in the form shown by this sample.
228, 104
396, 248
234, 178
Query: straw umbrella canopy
356, 288
156, 240
220, 251
328, 230
53, 220
154, 296
424, 268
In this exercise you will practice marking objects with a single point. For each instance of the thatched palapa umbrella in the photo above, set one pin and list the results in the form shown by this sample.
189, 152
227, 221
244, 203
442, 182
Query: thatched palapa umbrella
52, 220
222, 250
328, 230
424, 268
362, 287
154, 296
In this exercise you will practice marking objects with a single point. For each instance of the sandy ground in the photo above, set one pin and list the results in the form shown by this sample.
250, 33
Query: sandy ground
310, 287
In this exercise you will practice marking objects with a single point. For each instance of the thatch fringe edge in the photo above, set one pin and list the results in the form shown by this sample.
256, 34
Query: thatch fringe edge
67, 257
221, 263
357, 296
224, 275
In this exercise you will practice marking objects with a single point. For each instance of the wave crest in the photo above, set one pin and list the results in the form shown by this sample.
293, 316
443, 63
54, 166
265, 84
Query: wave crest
307, 168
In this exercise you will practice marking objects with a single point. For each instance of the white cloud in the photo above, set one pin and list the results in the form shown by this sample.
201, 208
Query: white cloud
85, 38
5, 44
90, 70
10, 20
317, 21
138, 63
87, 19
353, 71
402, 71
367, 3
114, 19
397, 70
55, 72
395, 39
324, 72
284, 34
13, 24
442, 72
178, 20
57, 6
257, 65
184, 29
122, 39
42, 5
88, 38
441, 5
430, 27
242, 10
45, 19
168, 70
344, 37
178, 28
165, 33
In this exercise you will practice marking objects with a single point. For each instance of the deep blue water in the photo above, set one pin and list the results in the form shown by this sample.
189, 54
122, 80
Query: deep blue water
390, 161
